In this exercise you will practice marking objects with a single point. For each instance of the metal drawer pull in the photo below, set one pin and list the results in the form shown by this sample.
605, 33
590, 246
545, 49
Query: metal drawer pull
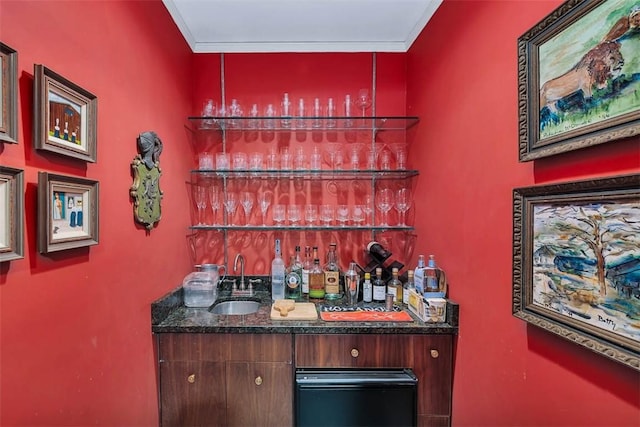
191, 378
435, 354
258, 380
355, 352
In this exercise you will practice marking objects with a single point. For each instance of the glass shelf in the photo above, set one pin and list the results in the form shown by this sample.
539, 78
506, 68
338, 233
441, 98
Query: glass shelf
303, 227
275, 124
307, 174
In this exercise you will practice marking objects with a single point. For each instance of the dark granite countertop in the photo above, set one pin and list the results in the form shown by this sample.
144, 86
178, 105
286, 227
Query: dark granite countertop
169, 315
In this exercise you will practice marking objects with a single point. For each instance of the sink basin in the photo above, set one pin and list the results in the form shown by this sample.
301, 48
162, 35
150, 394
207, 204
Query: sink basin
236, 307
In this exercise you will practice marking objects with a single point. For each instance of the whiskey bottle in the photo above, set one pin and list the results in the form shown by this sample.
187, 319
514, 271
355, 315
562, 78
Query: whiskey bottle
316, 281
332, 275
394, 287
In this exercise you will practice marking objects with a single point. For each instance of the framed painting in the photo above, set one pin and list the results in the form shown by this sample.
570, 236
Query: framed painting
8, 94
576, 263
65, 116
67, 212
578, 77
11, 214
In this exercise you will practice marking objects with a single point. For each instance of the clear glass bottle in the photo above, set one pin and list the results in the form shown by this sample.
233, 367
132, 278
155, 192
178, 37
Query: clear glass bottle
332, 274
316, 281
277, 274
407, 287
431, 276
418, 275
379, 287
294, 276
394, 287
351, 283
367, 288
307, 264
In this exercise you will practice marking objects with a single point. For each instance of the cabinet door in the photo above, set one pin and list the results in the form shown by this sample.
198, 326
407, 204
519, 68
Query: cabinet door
192, 393
433, 361
259, 394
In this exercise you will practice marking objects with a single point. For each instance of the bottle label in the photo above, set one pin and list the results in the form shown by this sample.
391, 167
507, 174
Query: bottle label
367, 292
305, 281
378, 293
332, 282
316, 285
293, 280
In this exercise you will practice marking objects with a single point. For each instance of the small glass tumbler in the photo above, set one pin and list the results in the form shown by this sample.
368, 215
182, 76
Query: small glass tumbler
293, 214
205, 161
279, 212
315, 161
272, 160
342, 215
256, 161
311, 214
286, 162
300, 160
222, 161
385, 160
326, 214
239, 161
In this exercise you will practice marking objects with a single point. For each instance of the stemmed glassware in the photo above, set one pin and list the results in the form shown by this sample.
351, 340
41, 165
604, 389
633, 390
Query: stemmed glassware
246, 201
230, 206
200, 196
264, 201
214, 201
363, 101
367, 207
402, 205
384, 203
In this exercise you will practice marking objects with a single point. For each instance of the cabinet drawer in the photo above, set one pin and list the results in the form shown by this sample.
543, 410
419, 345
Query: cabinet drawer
335, 351
224, 347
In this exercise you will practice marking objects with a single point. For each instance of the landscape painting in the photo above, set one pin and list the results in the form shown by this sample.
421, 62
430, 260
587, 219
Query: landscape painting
586, 263
576, 263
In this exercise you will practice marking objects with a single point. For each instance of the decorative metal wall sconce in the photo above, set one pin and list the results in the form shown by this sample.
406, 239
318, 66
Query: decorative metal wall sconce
145, 190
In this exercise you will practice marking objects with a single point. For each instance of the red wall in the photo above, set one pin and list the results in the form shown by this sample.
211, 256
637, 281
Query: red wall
75, 341
462, 82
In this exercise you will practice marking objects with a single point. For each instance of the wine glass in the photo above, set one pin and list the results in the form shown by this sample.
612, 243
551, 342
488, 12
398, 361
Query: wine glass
200, 196
246, 201
363, 101
402, 205
384, 203
264, 201
214, 200
367, 207
230, 206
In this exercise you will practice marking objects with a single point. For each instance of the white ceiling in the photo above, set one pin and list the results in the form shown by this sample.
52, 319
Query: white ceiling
301, 25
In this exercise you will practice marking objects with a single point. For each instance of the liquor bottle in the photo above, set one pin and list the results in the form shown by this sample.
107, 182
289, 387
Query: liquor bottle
379, 288
378, 251
351, 283
294, 276
394, 287
408, 286
367, 288
431, 276
277, 274
307, 263
332, 274
418, 275
316, 281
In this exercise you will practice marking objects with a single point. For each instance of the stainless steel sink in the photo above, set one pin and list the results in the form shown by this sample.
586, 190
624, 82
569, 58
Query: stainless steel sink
236, 307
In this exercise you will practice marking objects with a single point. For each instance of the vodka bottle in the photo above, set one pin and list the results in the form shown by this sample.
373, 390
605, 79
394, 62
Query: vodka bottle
379, 288
277, 274
431, 276
394, 287
418, 275
367, 288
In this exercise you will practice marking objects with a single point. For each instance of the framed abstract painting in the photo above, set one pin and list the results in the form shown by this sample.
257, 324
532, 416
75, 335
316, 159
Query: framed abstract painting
579, 77
576, 263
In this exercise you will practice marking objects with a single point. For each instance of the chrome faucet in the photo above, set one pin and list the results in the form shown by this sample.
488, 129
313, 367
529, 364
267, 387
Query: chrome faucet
242, 286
